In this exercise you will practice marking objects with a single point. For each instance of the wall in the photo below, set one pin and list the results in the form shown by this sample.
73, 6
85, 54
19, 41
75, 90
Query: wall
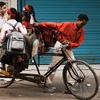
12, 3
68, 10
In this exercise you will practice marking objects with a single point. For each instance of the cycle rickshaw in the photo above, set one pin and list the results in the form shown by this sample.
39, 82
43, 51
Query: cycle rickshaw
86, 82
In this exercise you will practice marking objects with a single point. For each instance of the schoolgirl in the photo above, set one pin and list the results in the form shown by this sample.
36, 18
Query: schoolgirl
3, 18
26, 19
31, 10
30, 37
12, 16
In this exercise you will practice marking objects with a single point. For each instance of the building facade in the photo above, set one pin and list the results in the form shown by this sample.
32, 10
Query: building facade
11, 3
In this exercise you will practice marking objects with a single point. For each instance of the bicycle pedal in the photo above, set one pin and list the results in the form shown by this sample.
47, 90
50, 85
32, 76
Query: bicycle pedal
5, 72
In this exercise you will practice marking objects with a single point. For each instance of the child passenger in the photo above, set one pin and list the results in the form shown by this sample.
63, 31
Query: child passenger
31, 10
26, 19
3, 18
12, 16
26, 23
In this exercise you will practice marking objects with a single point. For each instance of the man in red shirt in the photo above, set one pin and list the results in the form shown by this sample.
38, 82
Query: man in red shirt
73, 32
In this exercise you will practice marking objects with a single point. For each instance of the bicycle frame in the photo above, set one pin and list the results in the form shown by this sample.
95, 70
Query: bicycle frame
48, 73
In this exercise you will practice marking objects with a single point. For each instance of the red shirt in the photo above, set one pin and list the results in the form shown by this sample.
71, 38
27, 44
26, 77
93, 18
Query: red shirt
68, 32
27, 25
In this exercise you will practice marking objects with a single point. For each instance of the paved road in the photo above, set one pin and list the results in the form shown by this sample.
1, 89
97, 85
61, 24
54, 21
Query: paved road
23, 90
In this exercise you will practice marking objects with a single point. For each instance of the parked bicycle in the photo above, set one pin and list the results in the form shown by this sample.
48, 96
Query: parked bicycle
85, 85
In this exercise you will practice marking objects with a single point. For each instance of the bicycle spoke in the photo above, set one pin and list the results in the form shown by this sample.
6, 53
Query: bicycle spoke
85, 84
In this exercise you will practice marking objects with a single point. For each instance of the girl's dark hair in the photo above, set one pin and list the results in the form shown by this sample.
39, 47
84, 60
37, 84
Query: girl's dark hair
17, 17
83, 16
2, 4
26, 13
31, 10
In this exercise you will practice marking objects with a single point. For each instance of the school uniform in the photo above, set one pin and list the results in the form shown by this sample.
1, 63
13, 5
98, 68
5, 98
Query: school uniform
3, 20
27, 25
6, 29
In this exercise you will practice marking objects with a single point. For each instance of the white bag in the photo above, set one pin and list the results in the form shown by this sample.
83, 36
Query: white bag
16, 43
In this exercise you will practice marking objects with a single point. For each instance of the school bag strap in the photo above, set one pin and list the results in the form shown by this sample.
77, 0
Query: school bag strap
14, 26
14, 29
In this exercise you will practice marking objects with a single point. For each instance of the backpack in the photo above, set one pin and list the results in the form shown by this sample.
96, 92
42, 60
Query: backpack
15, 42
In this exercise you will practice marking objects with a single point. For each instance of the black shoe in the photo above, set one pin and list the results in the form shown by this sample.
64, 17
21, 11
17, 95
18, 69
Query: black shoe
71, 88
67, 91
48, 89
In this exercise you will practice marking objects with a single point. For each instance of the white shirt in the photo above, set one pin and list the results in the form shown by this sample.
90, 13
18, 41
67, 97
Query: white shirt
6, 29
3, 20
32, 20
